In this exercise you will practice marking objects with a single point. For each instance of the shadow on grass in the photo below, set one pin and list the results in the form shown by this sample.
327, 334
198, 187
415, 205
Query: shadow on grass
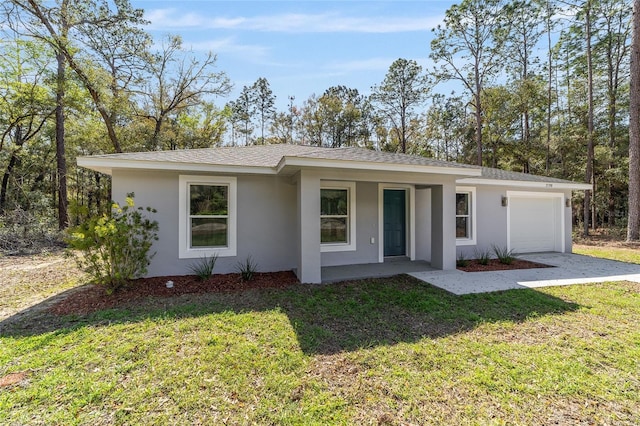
327, 318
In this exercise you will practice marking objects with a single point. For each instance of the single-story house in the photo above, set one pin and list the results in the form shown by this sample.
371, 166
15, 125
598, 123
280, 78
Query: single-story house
301, 208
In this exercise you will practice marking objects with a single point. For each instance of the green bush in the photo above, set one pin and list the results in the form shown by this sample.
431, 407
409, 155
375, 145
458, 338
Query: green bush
115, 249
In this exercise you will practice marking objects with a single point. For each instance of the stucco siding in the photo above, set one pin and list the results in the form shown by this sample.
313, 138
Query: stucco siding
491, 219
423, 224
266, 220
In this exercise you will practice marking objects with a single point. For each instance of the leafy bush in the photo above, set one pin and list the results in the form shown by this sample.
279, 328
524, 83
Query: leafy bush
462, 261
483, 256
115, 248
247, 269
505, 256
203, 268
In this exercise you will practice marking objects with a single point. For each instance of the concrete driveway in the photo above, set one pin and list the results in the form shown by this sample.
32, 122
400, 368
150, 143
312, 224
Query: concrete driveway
567, 269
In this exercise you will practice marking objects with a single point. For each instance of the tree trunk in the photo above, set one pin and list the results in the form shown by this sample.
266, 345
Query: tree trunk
550, 76
633, 227
590, 148
61, 160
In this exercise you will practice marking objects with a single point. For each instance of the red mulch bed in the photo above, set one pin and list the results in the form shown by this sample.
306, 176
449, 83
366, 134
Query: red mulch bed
495, 265
93, 298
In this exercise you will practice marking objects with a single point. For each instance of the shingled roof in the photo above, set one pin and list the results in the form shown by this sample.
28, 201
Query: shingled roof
271, 157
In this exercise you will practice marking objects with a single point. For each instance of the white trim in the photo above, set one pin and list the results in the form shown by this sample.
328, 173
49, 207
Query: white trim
410, 219
186, 252
473, 216
107, 165
526, 184
293, 161
351, 190
559, 196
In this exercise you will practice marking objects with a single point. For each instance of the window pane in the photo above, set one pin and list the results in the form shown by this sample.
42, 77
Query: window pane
208, 200
462, 227
462, 204
333, 230
208, 232
334, 202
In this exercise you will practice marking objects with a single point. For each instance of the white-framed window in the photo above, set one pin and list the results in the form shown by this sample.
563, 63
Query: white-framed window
207, 216
337, 216
465, 215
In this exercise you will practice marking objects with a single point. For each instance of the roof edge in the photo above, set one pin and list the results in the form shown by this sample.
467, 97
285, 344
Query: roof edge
107, 165
576, 186
296, 161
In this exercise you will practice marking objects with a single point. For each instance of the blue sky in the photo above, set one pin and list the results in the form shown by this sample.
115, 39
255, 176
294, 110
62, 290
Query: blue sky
301, 47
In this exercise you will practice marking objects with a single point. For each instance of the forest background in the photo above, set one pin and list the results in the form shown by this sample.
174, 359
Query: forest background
545, 90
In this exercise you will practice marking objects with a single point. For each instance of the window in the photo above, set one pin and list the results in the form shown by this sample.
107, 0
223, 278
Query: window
207, 216
337, 216
465, 216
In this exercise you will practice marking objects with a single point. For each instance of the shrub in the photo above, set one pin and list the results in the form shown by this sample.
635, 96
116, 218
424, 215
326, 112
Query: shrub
483, 256
462, 261
203, 268
247, 269
505, 256
115, 249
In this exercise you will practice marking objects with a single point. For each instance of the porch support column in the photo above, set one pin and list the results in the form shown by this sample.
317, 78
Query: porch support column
443, 226
309, 260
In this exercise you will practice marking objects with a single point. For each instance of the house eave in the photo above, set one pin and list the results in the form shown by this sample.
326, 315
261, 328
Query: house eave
289, 165
575, 186
107, 165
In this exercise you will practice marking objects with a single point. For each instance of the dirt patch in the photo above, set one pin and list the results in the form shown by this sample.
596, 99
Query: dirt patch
92, 298
12, 379
495, 265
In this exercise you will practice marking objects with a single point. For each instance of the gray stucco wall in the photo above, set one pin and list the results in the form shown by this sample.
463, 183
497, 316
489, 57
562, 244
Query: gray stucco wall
266, 220
491, 219
423, 224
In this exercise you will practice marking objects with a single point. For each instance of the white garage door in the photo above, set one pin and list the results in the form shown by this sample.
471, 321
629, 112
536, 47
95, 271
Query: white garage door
535, 223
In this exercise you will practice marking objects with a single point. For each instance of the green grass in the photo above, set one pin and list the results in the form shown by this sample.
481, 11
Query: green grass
607, 252
388, 351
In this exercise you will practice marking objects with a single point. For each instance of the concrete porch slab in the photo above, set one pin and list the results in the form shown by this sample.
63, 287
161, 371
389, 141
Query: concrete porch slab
567, 269
373, 270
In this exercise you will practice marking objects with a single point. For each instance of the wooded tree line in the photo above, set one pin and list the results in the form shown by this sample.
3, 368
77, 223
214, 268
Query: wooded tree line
537, 86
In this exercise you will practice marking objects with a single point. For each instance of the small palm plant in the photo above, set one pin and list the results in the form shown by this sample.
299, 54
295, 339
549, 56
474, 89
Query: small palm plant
483, 256
203, 268
247, 269
504, 255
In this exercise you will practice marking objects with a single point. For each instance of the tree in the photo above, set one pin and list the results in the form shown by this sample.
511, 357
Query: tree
263, 99
633, 227
241, 112
612, 26
525, 25
63, 26
403, 88
25, 102
469, 47
178, 81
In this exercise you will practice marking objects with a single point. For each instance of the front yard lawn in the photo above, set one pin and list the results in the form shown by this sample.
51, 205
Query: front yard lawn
387, 351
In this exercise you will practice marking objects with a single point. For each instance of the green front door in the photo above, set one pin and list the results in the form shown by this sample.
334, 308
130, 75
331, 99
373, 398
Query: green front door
395, 231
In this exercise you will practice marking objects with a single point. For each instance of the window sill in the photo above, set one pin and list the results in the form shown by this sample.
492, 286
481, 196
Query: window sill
465, 242
208, 252
329, 248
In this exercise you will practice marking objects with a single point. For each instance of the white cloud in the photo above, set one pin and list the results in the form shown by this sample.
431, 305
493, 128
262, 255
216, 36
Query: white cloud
293, 22
229, 45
